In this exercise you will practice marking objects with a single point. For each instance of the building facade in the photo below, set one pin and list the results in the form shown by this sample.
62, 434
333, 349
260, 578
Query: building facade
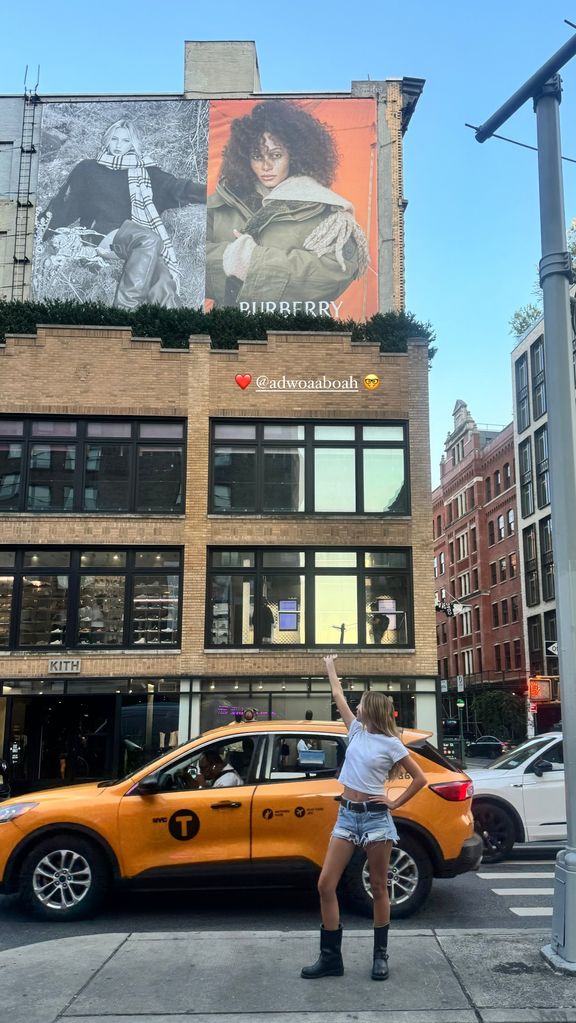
535, 524
185, 532
476, 565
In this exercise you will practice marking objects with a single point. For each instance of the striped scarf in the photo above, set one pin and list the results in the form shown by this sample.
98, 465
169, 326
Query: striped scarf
143, 210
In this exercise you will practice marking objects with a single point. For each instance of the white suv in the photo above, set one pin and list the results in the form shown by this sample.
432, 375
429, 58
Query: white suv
521, 797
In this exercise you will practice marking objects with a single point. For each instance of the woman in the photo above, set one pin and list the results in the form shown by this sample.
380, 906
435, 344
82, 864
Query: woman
375, 754
277, 234
119, 198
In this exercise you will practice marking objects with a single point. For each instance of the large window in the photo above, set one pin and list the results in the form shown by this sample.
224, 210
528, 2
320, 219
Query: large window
531, 566
542, 472
538, 378
522, 399
526, 486
286, 597
547, 559
286, 468
69, 598
92, 465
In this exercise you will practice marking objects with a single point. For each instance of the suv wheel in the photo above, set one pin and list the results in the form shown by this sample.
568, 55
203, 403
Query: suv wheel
409, 878
496, 828
64, 878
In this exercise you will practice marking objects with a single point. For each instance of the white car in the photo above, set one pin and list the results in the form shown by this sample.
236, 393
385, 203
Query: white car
521, 797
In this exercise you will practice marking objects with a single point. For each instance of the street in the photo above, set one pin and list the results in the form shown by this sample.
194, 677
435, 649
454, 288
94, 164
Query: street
513, 894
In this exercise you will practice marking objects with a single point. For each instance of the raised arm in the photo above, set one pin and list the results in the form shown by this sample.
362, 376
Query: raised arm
340, 700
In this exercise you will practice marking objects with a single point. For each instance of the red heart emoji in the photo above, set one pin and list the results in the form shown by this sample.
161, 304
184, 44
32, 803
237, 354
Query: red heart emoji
243, 379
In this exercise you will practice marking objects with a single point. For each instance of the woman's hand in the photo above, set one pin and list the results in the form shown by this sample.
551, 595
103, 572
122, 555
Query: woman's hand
104, 247
237, 256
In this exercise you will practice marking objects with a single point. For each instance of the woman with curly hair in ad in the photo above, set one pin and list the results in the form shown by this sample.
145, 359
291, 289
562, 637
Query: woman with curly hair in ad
279, 239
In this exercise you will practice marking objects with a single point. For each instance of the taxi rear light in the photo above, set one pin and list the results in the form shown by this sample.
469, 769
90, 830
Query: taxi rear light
455, 791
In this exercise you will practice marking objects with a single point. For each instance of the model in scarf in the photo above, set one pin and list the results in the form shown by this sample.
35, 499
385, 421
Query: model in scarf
120, 197
278, 236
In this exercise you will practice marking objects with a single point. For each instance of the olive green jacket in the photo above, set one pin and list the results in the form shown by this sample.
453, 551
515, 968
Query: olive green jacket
281, 269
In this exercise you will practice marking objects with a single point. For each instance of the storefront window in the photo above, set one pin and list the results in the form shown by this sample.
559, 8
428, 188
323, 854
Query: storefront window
155, 609
101, 612
44, 610
234, 479
107, 476
339, 597
160, 474
70, 598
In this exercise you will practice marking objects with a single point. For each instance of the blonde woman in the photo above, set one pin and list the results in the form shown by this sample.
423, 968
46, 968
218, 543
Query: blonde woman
375, 754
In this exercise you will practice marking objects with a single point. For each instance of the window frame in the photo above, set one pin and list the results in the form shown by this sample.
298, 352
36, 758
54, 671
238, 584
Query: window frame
310, 444
74, 571
81, 441
309, 570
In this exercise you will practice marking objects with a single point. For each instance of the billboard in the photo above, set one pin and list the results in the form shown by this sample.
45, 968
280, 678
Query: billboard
266, 205
292, 206
121, 203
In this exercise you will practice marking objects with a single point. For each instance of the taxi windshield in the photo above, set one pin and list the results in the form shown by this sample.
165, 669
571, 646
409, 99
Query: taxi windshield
516, 757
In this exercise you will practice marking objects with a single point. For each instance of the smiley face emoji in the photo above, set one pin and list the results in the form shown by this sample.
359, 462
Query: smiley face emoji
371, 381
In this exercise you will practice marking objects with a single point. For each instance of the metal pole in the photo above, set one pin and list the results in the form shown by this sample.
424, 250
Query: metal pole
555, 281
545, 87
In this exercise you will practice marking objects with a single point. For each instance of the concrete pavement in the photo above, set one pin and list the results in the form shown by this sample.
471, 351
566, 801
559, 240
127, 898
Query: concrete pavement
436, 976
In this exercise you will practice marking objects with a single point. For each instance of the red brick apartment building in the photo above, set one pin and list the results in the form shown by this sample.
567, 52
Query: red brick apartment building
476, 564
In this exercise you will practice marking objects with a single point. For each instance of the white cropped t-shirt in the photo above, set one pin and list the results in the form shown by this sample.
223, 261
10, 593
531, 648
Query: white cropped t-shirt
369, 759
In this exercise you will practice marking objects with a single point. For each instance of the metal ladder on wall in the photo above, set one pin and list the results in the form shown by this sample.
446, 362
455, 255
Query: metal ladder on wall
24, 205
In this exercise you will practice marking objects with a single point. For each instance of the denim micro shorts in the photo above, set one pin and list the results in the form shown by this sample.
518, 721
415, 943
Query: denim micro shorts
362, 828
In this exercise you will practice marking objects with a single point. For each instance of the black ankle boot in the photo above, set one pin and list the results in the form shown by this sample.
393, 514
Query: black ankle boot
380, 963
329, 962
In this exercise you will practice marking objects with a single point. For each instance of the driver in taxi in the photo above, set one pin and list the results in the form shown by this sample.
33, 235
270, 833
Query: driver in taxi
214, 773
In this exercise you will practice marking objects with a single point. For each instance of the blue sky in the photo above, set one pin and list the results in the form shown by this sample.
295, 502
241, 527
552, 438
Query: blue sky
472, 227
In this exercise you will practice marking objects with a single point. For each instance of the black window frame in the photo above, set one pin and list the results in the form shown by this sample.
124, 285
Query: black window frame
526, 480
309, 570
547, 558
310, 444
542, 466
74, 570
538, 368
531, 579
522, 397
81, 442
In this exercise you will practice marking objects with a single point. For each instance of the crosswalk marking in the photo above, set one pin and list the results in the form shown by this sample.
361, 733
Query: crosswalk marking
534, 875
531, 910
523, 891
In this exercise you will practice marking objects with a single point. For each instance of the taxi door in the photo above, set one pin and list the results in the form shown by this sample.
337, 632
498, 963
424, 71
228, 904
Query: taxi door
177, 829
294, 808
544, 796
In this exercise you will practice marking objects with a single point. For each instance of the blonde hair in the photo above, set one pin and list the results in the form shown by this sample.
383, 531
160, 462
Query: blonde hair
128, 126
378, 711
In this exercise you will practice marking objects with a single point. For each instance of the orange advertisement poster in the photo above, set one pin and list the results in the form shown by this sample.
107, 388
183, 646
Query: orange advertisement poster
292, 223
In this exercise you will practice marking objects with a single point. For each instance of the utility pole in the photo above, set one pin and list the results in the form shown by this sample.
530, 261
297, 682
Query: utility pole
544, 88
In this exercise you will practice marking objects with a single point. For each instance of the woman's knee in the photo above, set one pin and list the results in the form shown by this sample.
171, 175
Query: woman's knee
326, 886
379, 887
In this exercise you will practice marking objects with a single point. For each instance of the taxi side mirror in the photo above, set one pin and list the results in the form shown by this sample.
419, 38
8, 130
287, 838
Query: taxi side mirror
148, 786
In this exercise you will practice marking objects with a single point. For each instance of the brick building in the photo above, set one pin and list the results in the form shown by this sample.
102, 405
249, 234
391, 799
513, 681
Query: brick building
185, 532
476, 563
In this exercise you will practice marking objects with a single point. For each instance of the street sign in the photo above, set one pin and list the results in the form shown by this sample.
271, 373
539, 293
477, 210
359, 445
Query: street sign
460, 683
533, 708
540, 688
459, 703
443, 685
552, 648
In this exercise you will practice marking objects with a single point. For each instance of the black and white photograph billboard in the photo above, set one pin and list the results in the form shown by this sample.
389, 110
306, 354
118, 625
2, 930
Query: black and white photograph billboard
121, 203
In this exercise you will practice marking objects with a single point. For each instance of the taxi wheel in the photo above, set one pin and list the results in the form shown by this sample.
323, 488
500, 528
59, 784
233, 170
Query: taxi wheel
496, 828
64, 878
409, 878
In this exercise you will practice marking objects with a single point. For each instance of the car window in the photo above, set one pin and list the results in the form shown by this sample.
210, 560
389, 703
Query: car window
554, 755
237, 752
517, 757
303, 756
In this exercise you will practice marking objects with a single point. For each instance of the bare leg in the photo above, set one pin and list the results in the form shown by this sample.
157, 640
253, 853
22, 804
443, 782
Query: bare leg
378, 862
337, 859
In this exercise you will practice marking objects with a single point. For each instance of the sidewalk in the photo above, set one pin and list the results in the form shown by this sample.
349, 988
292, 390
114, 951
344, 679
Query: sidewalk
440, 976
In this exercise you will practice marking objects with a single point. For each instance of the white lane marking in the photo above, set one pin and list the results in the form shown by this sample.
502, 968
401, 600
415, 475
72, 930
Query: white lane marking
523, 891
535, 911
532, 863
515, 874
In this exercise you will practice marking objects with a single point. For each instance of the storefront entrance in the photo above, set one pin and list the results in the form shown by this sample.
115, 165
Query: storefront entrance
55, 740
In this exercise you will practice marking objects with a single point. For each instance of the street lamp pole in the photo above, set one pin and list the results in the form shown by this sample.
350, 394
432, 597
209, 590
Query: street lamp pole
544, 88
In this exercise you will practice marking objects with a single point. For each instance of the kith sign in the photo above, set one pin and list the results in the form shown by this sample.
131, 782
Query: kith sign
64, 665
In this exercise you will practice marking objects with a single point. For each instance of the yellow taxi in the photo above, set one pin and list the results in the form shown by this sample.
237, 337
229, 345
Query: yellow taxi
63, 849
